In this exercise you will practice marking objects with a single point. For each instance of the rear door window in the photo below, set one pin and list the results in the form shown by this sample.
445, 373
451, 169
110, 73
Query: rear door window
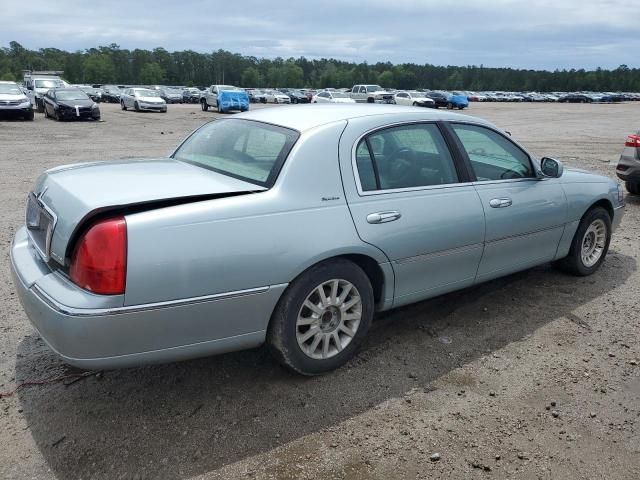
406, 156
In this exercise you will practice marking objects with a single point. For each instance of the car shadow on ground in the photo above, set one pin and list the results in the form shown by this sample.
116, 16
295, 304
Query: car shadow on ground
189, 418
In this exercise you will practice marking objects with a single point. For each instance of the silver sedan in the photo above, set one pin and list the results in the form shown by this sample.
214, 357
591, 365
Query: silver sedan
293, 227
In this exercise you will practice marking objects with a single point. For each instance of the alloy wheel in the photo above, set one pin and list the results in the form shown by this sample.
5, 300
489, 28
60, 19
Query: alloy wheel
329, 319
593, 243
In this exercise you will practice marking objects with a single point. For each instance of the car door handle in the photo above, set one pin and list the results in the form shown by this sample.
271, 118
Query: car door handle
383, 217
500, 202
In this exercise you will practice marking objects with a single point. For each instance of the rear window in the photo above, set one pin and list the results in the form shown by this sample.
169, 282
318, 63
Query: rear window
243, 149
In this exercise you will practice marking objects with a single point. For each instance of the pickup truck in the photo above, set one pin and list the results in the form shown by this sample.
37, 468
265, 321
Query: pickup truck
225, 98
371, 94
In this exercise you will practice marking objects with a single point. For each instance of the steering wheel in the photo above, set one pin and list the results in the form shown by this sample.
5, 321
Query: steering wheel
402, 166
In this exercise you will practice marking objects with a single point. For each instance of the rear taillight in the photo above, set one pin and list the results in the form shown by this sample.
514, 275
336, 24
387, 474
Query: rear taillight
633, 141
99, 260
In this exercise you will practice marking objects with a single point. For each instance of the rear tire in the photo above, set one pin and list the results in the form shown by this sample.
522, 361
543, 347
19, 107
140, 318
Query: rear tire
334, 327
633, 187
590, 244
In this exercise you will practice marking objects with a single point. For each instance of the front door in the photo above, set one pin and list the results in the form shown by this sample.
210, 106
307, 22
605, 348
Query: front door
413, 204
525, 215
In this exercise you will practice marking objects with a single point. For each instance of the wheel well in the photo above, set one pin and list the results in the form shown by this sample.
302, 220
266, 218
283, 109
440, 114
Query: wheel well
368, 265
606, 204
373, 271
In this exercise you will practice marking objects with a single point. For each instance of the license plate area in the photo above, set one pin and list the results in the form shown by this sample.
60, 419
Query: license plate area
40, 224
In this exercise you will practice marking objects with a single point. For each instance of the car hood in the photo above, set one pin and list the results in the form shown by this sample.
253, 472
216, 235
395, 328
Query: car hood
576, 175
76, 193
13, 97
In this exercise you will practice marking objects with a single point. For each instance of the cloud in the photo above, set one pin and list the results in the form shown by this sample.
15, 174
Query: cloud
527, 34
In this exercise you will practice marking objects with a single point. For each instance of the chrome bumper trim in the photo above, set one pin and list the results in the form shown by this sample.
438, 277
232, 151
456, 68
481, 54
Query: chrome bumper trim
92, 312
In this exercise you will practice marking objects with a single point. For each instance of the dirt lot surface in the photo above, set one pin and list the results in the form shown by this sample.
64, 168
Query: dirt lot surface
531, 376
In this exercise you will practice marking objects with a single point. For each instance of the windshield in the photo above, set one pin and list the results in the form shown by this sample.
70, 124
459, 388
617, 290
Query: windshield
146, 93
374, 88
417, 94
247, 150
10, 89
48, 83
111, 88
71, 95
338, 95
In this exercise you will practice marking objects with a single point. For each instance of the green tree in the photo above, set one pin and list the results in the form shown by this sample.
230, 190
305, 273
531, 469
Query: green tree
98, 68
151, 74
386, 79
251, 78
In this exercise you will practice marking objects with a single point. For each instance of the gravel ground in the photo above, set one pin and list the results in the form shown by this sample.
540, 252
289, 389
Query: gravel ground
531, 376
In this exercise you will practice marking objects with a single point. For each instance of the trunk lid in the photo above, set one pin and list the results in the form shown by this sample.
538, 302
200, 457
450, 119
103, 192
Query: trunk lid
69, 195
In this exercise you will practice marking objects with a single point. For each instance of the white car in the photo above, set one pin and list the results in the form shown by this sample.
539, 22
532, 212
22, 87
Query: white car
14, 101
142, 99
332, 97
413, 98
273, 96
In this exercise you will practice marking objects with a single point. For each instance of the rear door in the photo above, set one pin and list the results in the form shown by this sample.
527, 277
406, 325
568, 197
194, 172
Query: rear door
525, 215
411, 199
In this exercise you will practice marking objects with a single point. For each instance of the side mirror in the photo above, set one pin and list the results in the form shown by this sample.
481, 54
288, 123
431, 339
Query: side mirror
551, 168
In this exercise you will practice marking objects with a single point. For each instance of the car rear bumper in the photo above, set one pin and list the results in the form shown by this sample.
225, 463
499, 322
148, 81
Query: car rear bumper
96, 338
628, 169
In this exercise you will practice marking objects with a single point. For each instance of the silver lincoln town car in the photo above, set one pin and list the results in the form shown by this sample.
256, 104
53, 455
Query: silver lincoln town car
292, 227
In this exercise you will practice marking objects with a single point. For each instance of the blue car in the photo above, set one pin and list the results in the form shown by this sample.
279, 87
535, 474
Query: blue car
457, 100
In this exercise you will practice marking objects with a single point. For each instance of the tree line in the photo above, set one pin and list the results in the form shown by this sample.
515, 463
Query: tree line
112, 64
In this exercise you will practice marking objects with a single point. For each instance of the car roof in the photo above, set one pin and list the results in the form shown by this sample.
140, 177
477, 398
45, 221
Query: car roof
308, 117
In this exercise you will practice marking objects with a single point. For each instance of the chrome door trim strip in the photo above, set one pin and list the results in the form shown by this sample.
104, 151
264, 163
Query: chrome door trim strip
440, 253
92, 312
518, 235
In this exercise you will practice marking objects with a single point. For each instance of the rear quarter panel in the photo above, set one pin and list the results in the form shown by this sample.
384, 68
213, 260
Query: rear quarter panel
247, 241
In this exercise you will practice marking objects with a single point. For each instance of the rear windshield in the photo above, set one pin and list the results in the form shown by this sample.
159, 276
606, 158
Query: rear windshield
244, 149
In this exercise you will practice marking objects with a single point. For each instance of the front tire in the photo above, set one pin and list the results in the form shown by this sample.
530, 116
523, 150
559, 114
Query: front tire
204, 105
136, 107
590, 244
633, 187
122, 105
322, 318
28, 116
449, 106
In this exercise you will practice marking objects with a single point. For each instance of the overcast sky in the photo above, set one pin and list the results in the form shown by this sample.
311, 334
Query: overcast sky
538, 34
